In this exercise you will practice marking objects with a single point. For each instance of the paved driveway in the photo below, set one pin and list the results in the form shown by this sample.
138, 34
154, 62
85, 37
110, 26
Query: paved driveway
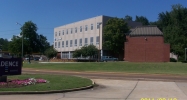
117, 90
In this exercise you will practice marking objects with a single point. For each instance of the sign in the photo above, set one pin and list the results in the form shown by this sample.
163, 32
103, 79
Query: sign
10, 66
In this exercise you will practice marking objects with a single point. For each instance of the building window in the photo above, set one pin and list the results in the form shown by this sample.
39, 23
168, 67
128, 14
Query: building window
71, 30
66, 43
97, 40
91, 26
62, 32
55, 44
67, 31
86, 27
75, 29
58, 44
80, 28
62, 43
80, 42
75, 42
71, 43
55, 33
59, 33
86, 41
98, 25
91, 40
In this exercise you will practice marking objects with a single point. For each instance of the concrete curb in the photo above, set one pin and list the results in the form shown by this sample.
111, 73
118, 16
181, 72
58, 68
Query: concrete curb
48, 92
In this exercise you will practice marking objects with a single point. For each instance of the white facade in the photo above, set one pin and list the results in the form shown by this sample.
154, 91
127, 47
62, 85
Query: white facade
70, 37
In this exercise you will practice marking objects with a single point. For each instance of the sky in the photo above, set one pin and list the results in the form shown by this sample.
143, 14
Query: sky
48, 14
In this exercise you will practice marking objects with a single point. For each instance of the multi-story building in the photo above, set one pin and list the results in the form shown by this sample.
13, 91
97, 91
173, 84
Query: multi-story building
68, 38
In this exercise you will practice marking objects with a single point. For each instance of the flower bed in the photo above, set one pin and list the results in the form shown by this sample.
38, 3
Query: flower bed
19, 83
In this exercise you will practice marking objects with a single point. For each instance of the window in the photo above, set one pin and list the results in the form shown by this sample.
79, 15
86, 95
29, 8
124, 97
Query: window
59, 33
91, 26
71, 30
55, 44
91, 40
75, 42
66, 43
62, 32
62, 43
71, 43
55, 33
75, 29
97, 40
86, 41
86, 27
67, 31
58, 44
80, 28
98, 25
80, 42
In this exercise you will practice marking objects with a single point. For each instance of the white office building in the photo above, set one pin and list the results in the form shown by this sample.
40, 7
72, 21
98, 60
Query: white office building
70, 37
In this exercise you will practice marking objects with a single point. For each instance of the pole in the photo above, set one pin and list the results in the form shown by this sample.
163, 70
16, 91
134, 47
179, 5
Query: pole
22, 40
99, 42
185, 53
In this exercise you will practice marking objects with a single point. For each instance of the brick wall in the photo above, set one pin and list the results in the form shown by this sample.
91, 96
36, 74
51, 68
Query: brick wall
146, 49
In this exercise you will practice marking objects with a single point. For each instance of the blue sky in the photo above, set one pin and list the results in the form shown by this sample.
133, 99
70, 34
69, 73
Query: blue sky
48, 14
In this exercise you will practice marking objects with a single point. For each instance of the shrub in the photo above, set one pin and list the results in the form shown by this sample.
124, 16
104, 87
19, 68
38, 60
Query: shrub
173, 60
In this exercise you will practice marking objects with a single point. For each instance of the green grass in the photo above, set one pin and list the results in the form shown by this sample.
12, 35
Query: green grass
56, 82
129, 67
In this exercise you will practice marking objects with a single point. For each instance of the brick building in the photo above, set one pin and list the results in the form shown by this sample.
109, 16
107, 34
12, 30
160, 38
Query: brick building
146, 44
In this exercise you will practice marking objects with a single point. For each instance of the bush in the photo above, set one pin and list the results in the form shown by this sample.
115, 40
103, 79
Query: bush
173, 60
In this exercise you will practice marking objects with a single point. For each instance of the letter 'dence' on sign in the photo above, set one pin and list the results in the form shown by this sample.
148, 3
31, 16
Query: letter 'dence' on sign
10, 66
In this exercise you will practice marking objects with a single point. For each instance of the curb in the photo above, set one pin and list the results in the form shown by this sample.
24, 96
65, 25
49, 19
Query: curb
49, 92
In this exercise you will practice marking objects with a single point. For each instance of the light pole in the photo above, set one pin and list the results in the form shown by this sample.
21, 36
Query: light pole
60, 47
99, 41
22, 39
185, 53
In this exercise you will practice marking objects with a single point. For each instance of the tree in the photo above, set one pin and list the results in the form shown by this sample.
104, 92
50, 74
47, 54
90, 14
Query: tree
173, 24
142, 19
50, 52
4, 44
86, 51
114, 34
15, 45
32, 41
128, 18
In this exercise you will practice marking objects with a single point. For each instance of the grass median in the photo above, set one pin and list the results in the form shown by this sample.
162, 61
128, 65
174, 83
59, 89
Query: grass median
129, 67
56, 82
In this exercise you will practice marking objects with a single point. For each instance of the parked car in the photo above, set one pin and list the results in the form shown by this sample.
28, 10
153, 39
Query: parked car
36, 58
108, 58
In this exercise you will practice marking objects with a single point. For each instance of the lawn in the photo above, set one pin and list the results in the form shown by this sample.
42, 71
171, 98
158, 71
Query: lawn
56, 82
128, 67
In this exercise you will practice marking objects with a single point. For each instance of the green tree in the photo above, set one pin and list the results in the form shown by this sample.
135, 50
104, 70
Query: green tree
50, 52
173, 24
15, 45
77, 53
114, 34
32, 41
86, 51
128, 18
142, 19
4, 44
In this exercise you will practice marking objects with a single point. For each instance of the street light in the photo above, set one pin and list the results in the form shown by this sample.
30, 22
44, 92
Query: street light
60, 47
22, 40
99, 40
185, 53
